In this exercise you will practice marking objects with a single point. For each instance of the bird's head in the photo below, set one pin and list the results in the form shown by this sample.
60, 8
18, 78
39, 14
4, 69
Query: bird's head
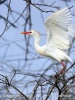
32, 33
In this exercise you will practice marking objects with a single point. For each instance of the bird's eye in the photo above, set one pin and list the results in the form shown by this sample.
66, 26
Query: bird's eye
30, 32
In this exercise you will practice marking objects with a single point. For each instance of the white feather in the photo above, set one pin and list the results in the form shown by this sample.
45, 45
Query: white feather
57, 29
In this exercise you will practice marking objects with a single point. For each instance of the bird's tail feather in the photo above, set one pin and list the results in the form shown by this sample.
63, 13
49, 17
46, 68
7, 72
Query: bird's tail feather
69, 59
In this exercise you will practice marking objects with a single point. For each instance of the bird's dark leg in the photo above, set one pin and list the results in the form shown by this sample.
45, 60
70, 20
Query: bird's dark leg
64, 66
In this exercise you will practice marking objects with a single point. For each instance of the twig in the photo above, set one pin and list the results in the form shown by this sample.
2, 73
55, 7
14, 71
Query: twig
37, 7
18, 17
49, 92
68, 68
7, 19
26, 98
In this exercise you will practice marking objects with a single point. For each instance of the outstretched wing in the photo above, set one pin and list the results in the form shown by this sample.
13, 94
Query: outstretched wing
57, 29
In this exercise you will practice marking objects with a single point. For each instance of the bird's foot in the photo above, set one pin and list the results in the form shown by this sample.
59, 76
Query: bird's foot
56, 75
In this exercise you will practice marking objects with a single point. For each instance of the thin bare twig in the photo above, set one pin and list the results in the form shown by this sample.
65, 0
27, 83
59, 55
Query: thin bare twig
6, 18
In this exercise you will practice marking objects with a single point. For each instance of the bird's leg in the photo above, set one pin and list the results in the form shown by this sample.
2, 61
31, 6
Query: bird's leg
64, 66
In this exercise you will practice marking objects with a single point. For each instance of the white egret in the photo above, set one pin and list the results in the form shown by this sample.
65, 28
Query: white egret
59, 31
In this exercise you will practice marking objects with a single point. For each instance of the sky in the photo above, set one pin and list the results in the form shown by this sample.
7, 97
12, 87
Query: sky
12, 45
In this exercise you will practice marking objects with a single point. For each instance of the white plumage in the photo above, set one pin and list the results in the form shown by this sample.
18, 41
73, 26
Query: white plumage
59, 31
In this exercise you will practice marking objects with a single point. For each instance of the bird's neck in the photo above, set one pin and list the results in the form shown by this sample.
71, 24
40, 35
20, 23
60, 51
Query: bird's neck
37, 44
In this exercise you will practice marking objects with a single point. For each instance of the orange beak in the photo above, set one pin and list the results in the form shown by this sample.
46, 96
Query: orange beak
26, 32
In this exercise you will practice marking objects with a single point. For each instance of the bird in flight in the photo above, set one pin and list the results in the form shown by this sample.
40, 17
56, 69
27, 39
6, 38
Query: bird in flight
59, 32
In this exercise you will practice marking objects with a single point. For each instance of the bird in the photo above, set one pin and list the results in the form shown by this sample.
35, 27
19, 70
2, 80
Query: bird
59, 33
